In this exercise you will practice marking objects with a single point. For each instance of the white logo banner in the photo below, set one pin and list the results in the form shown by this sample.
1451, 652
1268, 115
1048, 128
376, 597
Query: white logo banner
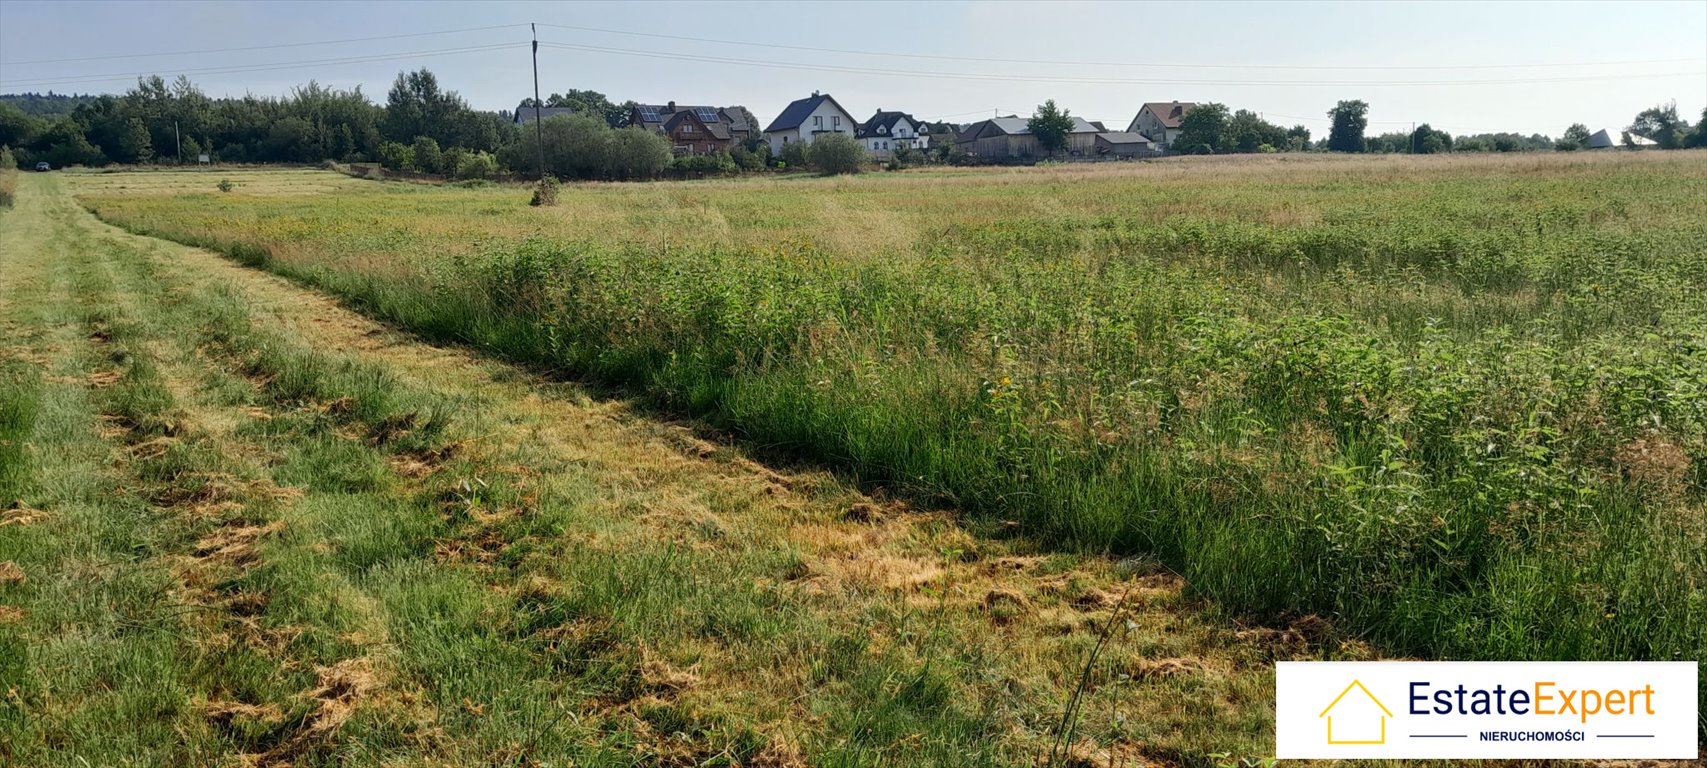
1486, 709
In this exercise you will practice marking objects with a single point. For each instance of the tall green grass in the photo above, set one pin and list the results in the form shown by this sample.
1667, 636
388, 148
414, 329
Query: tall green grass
1466, 419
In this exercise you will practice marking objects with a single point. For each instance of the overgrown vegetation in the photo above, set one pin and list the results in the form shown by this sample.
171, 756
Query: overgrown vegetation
246, 526
1458, 406
8, 177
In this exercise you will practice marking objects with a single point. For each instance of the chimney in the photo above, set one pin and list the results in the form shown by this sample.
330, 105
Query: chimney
814, 93
671, 107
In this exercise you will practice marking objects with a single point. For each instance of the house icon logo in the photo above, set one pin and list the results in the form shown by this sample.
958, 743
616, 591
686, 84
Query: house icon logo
1362, 719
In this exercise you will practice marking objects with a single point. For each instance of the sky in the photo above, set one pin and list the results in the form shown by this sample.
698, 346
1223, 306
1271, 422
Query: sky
1465, 67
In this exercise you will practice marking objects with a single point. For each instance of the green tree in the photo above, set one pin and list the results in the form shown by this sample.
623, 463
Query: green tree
1575, 137
1247, 132
1425, 140
396, 157
1051, 125
837, 153
1698, 137
1204, 130
135, 145
1297, 139
636, 153
590, 103
1350, 119
1661, 125
428, 157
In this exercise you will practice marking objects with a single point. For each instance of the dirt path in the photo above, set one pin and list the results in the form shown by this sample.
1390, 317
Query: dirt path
472, 564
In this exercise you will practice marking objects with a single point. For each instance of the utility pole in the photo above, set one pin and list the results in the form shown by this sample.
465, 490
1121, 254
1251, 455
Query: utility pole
1413, 137
178, 139
538, 127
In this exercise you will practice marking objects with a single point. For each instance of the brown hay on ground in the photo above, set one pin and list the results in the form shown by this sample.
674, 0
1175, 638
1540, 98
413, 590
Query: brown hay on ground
104, 379
11, 614
21, 515
11, 573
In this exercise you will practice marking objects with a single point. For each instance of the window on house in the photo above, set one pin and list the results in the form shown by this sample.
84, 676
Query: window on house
817, 121
836, 122
687, 129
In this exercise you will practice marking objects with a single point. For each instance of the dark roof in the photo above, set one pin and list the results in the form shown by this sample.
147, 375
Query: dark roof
717, 128
664, 112
525, 114
886, 121
1015, 126
740, 119
1123, 137
1099, 126
800, 109
1169, 112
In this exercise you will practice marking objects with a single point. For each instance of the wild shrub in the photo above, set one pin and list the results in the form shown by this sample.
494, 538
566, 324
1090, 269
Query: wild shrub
545, 192
837, 153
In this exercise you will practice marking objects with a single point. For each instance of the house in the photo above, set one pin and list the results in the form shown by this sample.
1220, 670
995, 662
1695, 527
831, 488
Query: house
1160, 120
1005, 138
525, 115
1124, 144
806, 119
695, 130
1602, 140
1362, 718
886, 132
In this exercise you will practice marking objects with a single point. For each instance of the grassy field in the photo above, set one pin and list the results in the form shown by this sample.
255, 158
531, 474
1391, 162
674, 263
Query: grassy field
1455, 403
1458, 406
245, 526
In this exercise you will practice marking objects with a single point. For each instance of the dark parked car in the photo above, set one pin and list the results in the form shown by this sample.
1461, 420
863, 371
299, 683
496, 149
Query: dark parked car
43, 167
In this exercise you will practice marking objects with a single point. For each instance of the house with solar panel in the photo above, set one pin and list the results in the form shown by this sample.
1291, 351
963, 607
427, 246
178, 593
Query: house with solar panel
695, 130
886, 132
806, 119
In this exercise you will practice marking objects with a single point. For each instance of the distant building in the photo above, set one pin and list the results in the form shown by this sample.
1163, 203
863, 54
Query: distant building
886, 132
1124, 144
1160, 121
695, 130
524, 115
1602, 140
1009, 138
804, 120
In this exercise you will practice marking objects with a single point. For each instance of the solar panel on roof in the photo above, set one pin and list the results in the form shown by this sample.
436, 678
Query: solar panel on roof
705, 114
649, 114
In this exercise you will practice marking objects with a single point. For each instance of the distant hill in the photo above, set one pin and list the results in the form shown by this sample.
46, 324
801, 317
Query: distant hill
49, 103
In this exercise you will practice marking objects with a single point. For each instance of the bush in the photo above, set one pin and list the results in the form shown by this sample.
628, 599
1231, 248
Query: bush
837, 153
428, 157
475, 165
545, 193
793, 156
747, 160
396, 157
701, 166
225, 185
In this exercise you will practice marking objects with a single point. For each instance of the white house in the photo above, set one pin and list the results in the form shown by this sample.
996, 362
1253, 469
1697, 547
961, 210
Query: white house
806, 119
1160, 121
886, 132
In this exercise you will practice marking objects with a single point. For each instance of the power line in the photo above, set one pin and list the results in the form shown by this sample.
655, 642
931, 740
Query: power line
1096, 80
1060, 62
259, 47
260, 67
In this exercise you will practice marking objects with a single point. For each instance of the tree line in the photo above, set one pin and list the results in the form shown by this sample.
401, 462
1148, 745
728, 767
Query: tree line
424, 128
1212, 129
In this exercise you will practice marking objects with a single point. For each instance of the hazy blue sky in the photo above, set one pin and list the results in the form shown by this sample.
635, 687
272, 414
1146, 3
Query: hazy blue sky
1143, 52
